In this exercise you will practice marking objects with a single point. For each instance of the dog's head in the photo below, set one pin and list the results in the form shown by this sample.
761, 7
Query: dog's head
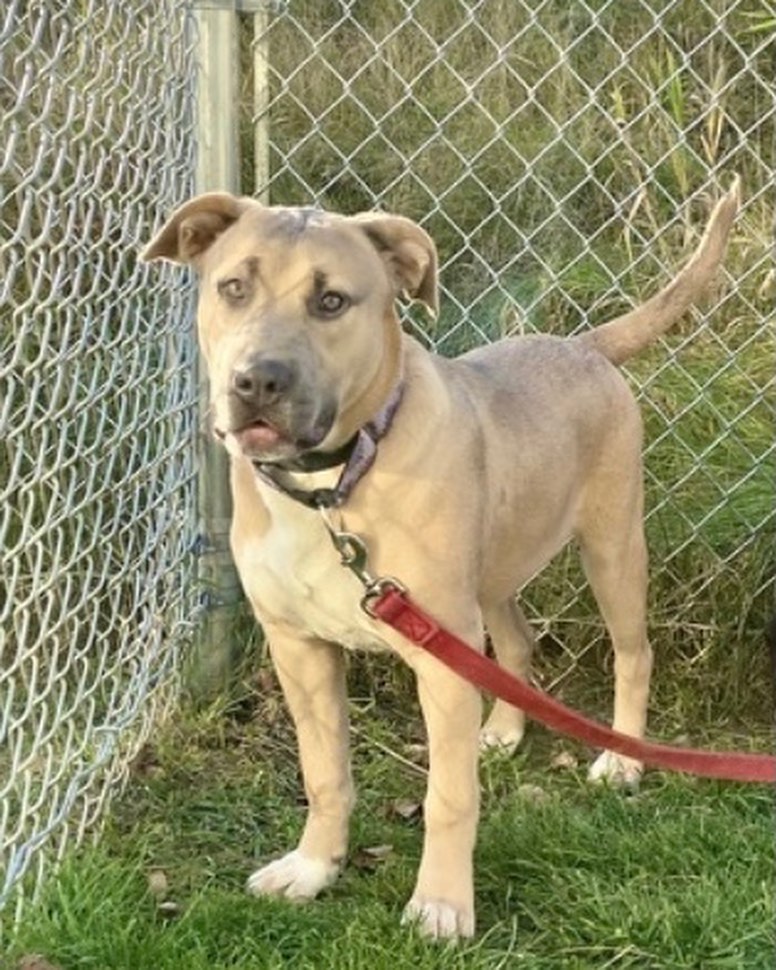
296, 315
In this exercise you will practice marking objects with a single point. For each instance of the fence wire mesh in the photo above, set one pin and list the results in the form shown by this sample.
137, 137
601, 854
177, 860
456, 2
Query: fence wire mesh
95, 406
565, 156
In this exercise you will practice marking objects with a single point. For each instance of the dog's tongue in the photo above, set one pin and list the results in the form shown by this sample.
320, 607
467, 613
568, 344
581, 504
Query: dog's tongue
258, 437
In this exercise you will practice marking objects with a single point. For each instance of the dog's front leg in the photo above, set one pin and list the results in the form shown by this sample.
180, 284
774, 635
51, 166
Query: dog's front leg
312, 675
443, 901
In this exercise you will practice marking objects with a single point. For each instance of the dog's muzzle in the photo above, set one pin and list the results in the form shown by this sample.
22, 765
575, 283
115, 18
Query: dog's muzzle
271, 416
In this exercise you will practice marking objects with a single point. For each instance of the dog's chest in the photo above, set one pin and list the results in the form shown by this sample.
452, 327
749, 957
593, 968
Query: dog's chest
293, 575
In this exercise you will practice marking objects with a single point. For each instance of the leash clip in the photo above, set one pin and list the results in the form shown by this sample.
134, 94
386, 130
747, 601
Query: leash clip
354, 556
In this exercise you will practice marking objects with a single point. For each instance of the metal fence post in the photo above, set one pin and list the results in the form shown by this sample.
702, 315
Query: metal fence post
218, 168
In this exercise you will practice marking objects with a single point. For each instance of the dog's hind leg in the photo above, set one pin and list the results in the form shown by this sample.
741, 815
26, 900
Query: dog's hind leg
513, 644
614, 555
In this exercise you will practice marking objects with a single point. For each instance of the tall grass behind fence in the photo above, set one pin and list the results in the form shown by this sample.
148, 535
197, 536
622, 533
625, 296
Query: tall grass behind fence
96, 409
565, 156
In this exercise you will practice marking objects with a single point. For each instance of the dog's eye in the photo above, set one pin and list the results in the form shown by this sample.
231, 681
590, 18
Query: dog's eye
234, 290
331, 304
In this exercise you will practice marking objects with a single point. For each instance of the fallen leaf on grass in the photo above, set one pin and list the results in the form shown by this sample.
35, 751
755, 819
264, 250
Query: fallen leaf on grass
564, 761
158, 883
370, 859
33, 961
406, 809
159, 887
169, 909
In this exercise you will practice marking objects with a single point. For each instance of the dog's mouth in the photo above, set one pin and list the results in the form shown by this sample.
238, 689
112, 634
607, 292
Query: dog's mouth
259, 437
266, 441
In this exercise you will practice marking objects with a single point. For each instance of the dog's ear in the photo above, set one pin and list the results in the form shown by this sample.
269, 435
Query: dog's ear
409, 253
192, 228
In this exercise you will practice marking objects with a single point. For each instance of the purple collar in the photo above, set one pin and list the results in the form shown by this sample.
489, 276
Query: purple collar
357, 457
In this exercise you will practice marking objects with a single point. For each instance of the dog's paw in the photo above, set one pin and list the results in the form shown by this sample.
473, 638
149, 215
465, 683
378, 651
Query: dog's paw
616, 769
439, 920
294, 876
503, 731
505, 743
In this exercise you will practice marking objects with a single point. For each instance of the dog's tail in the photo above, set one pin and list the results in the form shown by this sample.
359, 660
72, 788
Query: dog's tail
624, 337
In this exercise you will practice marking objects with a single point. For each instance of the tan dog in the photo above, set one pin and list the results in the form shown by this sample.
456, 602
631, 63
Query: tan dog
493, 462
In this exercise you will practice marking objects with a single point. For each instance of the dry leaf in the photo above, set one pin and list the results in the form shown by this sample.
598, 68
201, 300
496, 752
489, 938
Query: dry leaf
159, 887
33, 961
169, 909
564, 761
370, 858
158, 883
406, 809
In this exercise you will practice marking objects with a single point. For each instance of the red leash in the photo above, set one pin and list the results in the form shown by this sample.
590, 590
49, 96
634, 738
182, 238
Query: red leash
387, 600
394, 607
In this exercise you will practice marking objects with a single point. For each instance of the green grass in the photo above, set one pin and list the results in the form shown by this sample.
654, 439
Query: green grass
679, 876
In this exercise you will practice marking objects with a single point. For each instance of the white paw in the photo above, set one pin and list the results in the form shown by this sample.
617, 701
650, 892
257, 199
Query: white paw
294, 876
439, 920
616, 769
505, 742
504, 729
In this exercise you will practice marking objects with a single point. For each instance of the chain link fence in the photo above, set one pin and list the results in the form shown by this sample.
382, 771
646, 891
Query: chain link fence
564, 155
96, 409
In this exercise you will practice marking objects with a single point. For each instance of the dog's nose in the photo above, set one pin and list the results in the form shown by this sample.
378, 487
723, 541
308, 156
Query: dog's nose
263, 381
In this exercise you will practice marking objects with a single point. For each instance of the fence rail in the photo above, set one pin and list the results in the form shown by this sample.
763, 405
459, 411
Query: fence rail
564, 155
